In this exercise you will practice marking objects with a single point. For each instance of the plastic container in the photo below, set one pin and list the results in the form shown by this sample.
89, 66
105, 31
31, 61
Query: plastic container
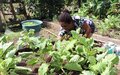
112, 48
117, 51
31, 24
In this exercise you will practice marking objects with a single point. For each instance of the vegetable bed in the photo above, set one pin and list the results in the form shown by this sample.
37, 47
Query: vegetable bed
39, 56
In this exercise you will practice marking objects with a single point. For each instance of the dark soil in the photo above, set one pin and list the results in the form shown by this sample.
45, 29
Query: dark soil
22, 63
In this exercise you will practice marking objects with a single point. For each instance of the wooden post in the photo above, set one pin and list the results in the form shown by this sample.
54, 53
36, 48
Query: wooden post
79, 3
0, 14
25, 13
0, 18
2, 29
12, 9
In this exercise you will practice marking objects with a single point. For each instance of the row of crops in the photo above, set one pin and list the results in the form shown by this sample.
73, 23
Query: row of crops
31, 55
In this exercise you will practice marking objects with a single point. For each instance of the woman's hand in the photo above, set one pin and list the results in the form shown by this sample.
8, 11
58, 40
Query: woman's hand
65, 37
87, 29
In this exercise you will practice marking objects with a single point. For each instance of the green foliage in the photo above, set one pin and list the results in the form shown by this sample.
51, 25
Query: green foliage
111, 22
5, 65
114, 10
43, 69
76, 54
23, 70
44, 8
82, 11
73, 66
100, 8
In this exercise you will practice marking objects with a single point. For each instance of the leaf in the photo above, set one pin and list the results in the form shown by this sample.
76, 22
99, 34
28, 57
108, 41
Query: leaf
75, 58
1, 53
99, 49
8, 62
11, 53
43, 44
70, 45
13, 73
5, 65
101, 56
1, 67
78, 49
3, 38
75, 35
19, 44
78, 31
43, 69
88, 52
23, 70
58, 45
2, 70
32, 61
107, 71
87, 73
111, 58
99, 67
110, 70
83, 41
113, 71
92, 60
90, 41
18, 59
7, 46
73, 66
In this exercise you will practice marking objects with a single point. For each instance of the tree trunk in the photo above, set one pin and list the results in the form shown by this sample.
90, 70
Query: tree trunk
0, 19
79, 3
2, 30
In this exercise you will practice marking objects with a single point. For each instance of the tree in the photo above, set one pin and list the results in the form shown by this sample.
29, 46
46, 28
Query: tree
44, 8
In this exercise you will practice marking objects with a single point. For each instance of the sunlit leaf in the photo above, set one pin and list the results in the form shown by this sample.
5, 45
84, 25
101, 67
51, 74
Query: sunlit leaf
43, 69
87, 73
11, 53
73, 66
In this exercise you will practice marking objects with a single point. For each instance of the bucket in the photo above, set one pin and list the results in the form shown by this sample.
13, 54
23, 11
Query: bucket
31, 24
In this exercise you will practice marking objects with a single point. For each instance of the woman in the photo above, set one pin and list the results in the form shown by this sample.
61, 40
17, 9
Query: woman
69, 23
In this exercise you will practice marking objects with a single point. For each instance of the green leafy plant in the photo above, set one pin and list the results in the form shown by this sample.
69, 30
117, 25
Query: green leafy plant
77, 54
111, 22
79, 59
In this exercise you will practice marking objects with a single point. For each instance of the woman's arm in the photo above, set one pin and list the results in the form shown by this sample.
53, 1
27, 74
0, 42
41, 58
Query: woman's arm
87, 29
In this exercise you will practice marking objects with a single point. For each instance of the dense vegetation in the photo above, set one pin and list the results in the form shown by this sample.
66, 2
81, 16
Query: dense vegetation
75, 56
32, 55
105, 14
